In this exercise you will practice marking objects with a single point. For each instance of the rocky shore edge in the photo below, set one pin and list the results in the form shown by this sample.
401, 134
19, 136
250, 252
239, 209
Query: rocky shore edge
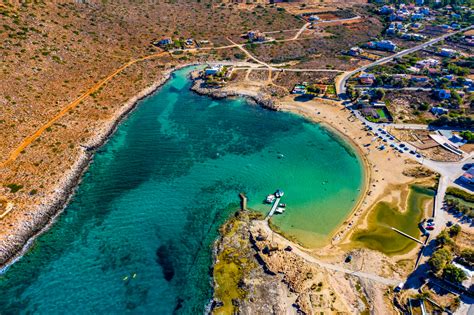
46, 213
200, 87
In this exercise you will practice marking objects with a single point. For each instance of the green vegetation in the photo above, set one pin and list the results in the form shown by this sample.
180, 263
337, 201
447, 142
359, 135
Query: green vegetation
467, 135
454, 230
381, 237
231, 266
440, 259
460, 121
454, 274
467, 257
444, 238
14, 187
228, 275
456, 192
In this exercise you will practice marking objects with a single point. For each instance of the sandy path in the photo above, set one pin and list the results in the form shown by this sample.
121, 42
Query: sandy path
27, 141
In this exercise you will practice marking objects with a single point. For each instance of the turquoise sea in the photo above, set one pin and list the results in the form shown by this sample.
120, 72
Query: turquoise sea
137, 236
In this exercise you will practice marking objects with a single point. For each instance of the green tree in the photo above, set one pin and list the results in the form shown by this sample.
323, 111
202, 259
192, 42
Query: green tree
443, 238
468, 256
454, 230
456, 99
313, 89
439, 259
454, 274
379, 94
467, 135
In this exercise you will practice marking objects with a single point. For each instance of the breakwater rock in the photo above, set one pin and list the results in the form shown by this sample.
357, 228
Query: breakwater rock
261, 99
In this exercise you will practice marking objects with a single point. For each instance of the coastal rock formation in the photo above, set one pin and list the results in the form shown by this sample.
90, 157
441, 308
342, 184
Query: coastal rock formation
242, 283
253, 274
37, 218
202, 88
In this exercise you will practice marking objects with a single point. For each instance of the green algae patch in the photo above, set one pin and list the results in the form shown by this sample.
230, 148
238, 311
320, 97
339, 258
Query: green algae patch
232, 266
379, 235
228, 275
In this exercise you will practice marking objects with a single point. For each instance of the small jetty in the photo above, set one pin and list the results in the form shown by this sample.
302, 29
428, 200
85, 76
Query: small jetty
276, 203
274, 207
407, 236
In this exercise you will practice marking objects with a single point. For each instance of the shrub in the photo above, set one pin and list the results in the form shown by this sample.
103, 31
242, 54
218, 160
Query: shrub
467, 135
456, 192
467, 255
14, 187
454, 274
443, 238
454, 230
439, 259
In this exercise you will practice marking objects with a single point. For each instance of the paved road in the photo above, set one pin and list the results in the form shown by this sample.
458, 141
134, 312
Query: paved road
365, 87
449, 171
341, 83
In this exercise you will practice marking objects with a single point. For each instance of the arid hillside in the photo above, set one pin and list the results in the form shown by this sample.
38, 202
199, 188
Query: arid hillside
54, 52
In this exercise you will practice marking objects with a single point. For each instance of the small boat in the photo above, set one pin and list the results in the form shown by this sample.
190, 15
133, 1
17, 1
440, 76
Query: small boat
279, 193
270, 198
280, 210
282, 205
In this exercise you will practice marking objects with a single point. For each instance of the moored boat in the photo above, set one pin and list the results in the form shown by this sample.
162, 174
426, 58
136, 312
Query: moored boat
270, 198
280, 210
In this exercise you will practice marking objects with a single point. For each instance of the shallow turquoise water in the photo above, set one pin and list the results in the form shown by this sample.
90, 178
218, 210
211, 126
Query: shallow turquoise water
137, 236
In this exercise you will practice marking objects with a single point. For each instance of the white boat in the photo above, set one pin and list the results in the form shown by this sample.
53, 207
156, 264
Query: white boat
270, 198
279, 193
280, 210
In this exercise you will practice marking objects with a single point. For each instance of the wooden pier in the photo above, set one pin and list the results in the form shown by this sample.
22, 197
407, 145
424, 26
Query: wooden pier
408, 236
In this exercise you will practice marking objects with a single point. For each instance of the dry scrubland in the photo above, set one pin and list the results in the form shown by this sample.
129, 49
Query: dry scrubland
52, 53
321, 48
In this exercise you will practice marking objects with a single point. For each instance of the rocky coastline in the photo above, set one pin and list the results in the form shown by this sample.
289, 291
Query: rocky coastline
242, 282
46, 213
255, 273
201, 88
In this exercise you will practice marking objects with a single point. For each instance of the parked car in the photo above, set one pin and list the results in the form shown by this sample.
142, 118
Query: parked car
430, 228
467, 166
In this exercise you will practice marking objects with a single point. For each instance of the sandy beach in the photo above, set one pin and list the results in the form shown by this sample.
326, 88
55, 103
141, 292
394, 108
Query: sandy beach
384, 178
383, 168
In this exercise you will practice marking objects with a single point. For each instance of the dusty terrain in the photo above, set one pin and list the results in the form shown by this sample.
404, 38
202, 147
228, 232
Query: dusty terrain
54, 102
50, 72
250, 261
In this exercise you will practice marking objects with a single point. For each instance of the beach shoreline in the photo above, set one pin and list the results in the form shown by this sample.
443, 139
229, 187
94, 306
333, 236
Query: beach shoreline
261, 100
53, 206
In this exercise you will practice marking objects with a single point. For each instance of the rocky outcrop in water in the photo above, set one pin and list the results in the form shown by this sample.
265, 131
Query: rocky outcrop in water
242, 283
202, 88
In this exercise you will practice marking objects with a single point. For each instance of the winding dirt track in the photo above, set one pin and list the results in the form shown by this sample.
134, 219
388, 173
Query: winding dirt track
27, 141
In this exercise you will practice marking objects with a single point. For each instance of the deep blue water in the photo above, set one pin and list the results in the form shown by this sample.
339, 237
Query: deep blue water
137, 236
